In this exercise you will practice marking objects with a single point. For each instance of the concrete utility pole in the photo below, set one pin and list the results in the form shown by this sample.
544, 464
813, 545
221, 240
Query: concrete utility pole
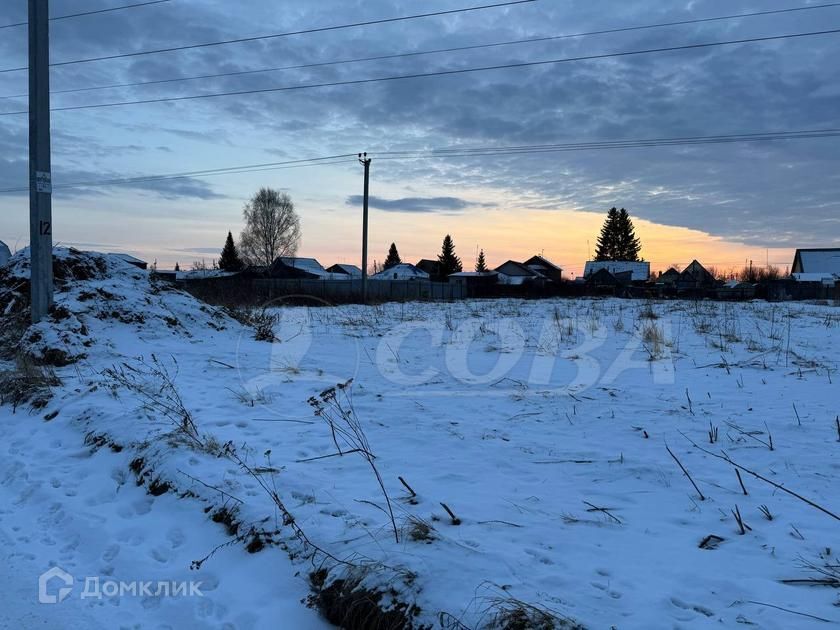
365, 160
40, 172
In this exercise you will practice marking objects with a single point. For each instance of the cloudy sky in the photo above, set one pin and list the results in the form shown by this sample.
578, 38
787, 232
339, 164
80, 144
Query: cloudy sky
722, 203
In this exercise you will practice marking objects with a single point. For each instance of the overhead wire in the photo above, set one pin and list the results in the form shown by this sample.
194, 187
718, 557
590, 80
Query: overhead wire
404, 55
92, 12
307, 31
458, 153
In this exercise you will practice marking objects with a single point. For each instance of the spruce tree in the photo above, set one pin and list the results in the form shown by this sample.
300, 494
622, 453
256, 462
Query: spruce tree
481, 264
393, 257
606, 247
230, 260
628, 244
449, 262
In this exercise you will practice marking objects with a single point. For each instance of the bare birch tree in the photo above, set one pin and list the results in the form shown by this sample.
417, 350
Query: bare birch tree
272, 228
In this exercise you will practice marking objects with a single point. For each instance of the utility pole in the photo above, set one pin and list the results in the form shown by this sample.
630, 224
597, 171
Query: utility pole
365, 160
40, 171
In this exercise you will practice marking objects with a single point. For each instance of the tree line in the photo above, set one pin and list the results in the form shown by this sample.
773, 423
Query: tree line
272, 229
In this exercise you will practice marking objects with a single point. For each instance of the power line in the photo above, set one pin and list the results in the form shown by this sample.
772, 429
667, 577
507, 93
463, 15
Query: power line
320, 29
231, 170
422, 75
608, 144
466, 152
96, 12
531, 40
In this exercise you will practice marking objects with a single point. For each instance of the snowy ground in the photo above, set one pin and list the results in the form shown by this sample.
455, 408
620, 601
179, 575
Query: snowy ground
542, 426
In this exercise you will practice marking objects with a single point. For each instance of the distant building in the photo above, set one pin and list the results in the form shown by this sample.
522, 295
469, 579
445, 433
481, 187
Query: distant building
545, 268
5, 254
431, 267
640, 271
515, 273
403, 271
670, 277
289, 268
131, 260
471, 279
602, 279
822, 261
696, 276
350, 270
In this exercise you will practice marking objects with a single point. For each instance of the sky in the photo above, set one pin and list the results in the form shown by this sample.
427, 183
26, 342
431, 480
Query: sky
724, 204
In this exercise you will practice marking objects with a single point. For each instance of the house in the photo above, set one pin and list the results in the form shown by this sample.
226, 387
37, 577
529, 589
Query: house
823, 261
601, 279
309, 265
349, 270
5, 254
696, 276
473, 279
516, 273
545, 268
431, 267
131, 260
403, 271
670, 277
286, 267
640, 271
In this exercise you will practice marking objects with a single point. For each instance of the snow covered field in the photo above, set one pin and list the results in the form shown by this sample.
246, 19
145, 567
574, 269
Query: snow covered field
522, 449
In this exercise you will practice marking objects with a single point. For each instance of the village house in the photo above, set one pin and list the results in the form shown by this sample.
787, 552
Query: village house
545, 268
350, 270
474, 279
814, 264
403, 271
431, 267
695, 277
515, 273
639, 270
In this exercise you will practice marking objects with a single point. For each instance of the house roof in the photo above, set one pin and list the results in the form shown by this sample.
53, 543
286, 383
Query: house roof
696, 272
818, 260
306, 264
351, 270
403, 271
513, 268
539, 260
641, 270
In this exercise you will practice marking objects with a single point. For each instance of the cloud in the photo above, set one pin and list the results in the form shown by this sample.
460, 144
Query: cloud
755, 193
416, 204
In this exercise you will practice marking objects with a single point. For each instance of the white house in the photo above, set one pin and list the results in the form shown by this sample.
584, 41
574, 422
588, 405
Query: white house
824, 261
402, 271
640, 271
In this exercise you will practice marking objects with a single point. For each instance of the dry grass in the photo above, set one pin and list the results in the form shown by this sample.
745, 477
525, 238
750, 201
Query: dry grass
26, 382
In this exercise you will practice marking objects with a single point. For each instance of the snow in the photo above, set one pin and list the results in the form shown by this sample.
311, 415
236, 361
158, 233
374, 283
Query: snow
542, 425
5, 254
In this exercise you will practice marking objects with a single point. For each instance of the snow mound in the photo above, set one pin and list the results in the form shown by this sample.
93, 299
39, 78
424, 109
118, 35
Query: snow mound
92, 287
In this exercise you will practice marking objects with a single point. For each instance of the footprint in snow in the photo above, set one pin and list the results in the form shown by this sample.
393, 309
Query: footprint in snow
692, 607
175, 537
111, 552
